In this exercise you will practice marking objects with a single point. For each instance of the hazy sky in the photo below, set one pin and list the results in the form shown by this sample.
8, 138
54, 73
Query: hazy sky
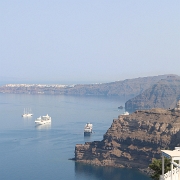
89, 40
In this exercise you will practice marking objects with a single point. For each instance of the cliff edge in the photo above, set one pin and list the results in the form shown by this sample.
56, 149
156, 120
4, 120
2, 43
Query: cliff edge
133, 140
163, 94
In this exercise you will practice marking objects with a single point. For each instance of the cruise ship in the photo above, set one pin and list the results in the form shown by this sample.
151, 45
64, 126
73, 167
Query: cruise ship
88, 129
43, 120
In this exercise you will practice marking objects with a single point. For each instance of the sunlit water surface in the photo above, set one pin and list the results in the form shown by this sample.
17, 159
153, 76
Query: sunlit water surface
42, 152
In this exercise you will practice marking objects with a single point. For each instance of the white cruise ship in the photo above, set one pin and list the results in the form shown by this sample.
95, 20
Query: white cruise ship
88, 129
43, 120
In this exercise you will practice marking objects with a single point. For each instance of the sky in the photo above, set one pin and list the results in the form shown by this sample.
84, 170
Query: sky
88, 40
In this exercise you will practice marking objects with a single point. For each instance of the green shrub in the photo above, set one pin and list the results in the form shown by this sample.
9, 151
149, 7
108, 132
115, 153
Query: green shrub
156, 166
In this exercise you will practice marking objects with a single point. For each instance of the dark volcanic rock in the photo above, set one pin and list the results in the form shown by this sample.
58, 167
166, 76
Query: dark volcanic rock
133, 140
163, 94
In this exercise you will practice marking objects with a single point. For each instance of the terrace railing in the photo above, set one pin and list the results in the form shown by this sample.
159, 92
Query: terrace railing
175, 175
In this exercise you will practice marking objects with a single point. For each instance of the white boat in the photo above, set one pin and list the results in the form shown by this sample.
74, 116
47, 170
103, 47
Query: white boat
43, 120
88, 129
125, 113
27, 113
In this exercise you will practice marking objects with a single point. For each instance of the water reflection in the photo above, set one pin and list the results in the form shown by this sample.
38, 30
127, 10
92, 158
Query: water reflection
27, 121
43, 126
27, 117
106, 173
87, 138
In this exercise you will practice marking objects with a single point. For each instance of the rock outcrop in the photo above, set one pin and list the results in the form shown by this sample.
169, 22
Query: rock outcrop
163, 94
133, 140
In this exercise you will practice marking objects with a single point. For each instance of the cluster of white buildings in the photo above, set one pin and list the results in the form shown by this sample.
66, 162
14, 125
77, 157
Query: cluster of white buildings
39, 85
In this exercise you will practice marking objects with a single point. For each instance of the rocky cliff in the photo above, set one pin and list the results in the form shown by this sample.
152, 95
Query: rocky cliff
163, 94
133, 140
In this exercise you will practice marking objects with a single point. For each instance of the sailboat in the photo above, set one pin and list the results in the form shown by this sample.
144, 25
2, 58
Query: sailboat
27, 113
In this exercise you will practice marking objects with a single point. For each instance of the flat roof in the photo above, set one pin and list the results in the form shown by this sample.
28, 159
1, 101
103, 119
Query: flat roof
171, 153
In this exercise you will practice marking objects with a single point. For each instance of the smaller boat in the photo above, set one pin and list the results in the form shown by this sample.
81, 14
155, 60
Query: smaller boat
125, 113
120, 107
43, 120
88, 129
27, 113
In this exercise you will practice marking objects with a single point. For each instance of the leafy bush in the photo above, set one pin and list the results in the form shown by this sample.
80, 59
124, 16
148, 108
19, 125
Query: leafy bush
156, 166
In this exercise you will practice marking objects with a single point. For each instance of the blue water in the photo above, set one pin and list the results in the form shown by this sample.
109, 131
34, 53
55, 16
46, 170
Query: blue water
42, 152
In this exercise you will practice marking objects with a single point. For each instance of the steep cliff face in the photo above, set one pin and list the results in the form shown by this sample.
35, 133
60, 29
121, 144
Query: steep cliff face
133, 140
163, 94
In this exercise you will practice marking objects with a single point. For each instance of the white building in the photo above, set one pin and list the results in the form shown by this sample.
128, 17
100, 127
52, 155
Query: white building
174, 155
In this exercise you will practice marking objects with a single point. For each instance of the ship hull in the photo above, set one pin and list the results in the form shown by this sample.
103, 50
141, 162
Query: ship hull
87, 133
42, 122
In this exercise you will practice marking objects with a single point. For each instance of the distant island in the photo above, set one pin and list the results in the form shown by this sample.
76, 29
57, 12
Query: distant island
161, 91
163, 94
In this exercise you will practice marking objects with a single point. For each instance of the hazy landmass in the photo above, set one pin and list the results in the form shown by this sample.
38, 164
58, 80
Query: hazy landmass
140, 93
126, 88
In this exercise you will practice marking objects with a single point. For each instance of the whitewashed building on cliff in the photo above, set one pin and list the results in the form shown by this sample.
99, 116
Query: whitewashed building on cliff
174, 173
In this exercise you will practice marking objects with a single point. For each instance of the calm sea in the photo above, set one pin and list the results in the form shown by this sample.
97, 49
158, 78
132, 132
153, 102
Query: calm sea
42, 152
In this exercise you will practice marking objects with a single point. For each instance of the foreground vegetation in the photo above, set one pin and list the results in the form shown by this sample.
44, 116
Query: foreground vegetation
156, 166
